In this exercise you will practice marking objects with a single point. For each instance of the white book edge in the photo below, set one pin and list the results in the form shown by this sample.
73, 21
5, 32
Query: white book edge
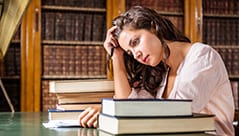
74, 86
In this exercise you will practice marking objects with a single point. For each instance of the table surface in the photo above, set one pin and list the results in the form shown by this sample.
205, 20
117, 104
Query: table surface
30, 124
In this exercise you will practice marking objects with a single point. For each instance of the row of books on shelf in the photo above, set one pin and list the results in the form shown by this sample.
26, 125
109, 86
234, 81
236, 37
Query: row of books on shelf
221, 6
127, 116
221, 31
230, 57
235, 92
74, 60
159, 5
178, 21
73, 26
11, 65
76, 3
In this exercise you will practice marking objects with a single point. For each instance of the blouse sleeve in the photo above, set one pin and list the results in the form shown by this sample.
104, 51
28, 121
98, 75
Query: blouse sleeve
199, 77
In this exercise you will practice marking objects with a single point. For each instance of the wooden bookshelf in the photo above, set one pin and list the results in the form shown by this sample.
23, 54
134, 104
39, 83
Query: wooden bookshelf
10, 74
220, 29
72, 42
173, 9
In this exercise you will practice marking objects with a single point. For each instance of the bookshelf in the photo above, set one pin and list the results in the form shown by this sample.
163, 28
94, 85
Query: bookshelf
172, 9
10, 16
221, 30
10, 74
72, 38
222, 18
32, 78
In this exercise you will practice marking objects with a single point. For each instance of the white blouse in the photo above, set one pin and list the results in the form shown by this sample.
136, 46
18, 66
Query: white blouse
202, 77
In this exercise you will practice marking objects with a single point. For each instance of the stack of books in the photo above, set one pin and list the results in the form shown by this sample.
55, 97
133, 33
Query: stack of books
152, 116
79, 94
76, 95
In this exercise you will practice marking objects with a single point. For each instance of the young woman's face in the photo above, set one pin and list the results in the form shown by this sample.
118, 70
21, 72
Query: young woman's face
143, 45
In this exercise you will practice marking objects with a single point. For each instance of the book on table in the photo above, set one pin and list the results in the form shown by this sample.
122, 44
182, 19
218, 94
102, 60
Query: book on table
83, 97
62, 118
161, 124
146, 107
79, 86
103, 133
55, 114
81, 94
77, 106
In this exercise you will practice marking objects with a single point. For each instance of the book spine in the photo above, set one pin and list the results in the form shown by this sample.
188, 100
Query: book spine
49, 31
59, 26
235, 92
56, 110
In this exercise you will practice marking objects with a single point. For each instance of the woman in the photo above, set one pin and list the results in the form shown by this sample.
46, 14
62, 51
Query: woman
152, 59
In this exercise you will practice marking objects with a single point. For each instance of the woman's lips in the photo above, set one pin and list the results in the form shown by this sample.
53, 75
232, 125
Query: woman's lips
146, 59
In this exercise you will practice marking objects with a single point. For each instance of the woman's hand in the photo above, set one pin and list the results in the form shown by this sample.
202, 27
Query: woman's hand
88, 118
111, 42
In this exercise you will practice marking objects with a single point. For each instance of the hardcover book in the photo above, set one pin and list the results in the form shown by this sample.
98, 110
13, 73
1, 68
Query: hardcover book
77, 106
103, 133
54, 114
149, 125
146, 107
76, 86
62, 118
84, 97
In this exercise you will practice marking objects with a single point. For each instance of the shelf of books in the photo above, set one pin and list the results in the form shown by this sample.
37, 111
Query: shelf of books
221, 30
10, 68
172, 9
72, 38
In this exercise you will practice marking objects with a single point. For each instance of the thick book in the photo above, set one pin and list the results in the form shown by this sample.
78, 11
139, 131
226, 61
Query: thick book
62, 118
75, 86
55, 114
83, 97
150, 125
146, 107
103, 133
77, 106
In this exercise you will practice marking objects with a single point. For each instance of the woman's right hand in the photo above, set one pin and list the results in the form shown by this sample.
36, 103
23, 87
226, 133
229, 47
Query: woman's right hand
88, 118
110, 42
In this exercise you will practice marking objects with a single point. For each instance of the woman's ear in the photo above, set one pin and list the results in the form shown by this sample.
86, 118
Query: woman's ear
153, 27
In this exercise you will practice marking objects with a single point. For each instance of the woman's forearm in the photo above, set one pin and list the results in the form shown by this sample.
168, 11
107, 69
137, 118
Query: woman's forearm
122, 87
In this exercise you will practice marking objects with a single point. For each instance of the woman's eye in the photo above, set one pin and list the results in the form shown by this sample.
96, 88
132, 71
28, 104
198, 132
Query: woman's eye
135, 42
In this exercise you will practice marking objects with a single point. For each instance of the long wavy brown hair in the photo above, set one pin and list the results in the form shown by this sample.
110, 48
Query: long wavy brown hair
142, 76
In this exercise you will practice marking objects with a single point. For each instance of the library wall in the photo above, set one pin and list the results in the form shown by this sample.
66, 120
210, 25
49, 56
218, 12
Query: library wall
221, 31
10, 68
172, 9
72, 37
